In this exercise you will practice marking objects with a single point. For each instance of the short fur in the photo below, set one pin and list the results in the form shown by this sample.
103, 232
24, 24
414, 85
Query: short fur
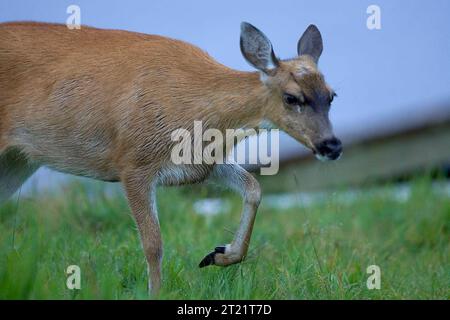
103, 104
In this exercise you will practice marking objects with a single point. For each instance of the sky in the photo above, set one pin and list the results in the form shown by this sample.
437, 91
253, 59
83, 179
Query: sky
380, 75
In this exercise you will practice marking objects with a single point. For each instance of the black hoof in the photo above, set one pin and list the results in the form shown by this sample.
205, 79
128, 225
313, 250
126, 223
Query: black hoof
209, 259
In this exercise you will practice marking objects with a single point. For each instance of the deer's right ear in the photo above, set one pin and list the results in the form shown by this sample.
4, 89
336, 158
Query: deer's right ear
257, 49
311, 43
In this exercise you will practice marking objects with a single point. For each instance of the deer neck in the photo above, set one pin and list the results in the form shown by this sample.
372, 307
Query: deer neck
241, 99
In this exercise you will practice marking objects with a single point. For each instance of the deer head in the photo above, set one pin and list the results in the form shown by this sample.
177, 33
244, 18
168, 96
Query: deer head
299, 97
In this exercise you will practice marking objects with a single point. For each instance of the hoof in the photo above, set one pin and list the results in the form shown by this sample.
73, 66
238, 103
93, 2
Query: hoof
210, 258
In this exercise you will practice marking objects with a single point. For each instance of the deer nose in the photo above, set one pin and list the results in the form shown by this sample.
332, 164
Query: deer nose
331, 149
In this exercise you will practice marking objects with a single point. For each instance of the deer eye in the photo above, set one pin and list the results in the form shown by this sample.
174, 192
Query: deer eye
291, 100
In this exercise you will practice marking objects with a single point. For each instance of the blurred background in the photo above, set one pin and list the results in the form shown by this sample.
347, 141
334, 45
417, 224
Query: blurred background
393, 109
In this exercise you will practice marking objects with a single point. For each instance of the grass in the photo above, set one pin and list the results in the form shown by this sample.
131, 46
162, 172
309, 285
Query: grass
320, 252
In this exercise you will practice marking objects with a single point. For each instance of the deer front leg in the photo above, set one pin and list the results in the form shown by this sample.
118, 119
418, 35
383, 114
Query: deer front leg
235, 177
141, 197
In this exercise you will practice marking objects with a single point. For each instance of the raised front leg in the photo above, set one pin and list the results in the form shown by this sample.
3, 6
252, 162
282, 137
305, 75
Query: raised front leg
235, 177
141, 195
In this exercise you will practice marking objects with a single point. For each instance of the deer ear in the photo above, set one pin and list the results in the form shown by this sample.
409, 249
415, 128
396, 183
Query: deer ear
257, 49
311, 43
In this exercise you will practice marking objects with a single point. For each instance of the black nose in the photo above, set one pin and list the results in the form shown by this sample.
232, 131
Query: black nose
330, 148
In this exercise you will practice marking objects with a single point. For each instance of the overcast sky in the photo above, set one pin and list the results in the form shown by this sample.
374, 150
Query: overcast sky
378, 74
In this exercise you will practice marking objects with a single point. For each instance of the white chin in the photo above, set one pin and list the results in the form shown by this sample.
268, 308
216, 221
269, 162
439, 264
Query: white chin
322, 158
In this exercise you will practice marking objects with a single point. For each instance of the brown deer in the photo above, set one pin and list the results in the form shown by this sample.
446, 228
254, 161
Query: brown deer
103, 103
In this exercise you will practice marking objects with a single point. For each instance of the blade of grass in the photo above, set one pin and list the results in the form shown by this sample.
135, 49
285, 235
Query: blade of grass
15, 219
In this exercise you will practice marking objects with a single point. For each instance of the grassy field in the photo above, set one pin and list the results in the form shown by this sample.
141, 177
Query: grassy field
319, 252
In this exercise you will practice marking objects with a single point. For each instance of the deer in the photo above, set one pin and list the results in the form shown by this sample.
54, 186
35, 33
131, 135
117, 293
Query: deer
103, 103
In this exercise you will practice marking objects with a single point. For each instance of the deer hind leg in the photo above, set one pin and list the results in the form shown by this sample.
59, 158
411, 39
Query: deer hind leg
15, 169
236, 178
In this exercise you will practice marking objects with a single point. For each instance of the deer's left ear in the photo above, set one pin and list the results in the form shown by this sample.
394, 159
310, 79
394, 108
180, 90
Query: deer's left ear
257, 49
311, 43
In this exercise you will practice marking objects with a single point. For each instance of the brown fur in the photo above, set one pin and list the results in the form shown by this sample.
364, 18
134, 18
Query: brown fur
103, 103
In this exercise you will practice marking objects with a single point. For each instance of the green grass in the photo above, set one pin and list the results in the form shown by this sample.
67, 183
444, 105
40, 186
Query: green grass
408, 240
